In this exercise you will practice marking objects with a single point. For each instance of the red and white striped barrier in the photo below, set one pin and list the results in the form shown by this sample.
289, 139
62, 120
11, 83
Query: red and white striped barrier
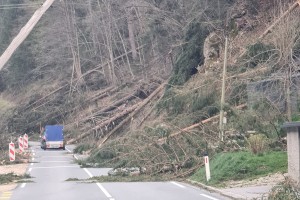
12, 152
25, 141
21, 144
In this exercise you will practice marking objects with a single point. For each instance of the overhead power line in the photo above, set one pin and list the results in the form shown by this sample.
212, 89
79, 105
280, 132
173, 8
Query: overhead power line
8, 5
13, 6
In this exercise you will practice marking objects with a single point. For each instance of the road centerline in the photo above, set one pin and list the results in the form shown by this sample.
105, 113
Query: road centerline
55, 167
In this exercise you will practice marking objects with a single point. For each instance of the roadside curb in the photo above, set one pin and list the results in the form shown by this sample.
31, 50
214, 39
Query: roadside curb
213, 189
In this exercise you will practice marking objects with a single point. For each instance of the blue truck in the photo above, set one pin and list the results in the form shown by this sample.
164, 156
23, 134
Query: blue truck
53, 137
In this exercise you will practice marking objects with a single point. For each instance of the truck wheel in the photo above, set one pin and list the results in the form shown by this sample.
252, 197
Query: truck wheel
64, 148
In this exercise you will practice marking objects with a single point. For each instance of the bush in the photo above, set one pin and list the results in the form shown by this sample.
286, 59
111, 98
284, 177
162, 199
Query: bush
258, 53
238, 94
82, 147
258, 144
190, 102
285, 190
191, 56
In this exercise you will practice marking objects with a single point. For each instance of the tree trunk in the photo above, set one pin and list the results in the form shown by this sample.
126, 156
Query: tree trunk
105, 123
130, 19
140, 106
164, 139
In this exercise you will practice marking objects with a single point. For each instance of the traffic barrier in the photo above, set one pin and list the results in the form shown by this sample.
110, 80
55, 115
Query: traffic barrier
25, 141
21, 144
12, 152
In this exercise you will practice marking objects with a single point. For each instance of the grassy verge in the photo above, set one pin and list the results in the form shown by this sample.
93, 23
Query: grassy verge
242, 165
10, 178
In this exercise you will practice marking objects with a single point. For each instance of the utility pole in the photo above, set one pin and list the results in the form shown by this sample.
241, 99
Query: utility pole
221, 125
288, 94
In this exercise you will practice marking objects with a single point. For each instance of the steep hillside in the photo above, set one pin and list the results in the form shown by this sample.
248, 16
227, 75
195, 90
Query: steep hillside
184, 124
139, 82
88, 64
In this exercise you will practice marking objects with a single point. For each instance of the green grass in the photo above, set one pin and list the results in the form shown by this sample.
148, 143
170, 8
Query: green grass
242, 165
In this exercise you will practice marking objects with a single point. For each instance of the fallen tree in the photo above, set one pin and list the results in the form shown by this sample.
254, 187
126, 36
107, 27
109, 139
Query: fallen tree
105, 123
111, 107
142, 105
185, 130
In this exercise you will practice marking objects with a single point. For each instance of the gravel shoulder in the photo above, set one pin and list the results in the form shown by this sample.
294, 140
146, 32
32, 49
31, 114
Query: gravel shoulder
18, 169
270, 180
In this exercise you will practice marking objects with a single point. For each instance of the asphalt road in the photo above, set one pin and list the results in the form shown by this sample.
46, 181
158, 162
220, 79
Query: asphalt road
51, 168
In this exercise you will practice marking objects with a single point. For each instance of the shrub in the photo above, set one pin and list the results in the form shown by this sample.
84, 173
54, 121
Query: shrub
285, 190
258, 144
258, 53
191, 55
82, 147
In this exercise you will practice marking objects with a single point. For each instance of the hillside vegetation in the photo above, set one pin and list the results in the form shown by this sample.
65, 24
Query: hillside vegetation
138, 83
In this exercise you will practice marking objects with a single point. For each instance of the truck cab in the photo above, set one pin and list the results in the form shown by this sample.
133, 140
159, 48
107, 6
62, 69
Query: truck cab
53, 137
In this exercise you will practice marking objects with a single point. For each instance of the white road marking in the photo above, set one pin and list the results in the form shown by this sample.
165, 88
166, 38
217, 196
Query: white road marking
177, 184
71, 152
104, 191
68, 150
88, 172
57, 157
207, 196
32, 159
33, 154
55, 167
29, 169
23, 185
31, 164
99, 185
55, 161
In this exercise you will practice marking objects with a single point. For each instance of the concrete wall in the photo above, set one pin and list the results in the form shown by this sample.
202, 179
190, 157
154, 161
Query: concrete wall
293, 148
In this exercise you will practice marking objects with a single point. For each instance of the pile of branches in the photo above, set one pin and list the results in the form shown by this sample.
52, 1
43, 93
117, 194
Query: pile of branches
285, 190
180, 155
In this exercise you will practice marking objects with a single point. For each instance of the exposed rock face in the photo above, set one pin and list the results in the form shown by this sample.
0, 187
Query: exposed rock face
211, 50
243, 17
